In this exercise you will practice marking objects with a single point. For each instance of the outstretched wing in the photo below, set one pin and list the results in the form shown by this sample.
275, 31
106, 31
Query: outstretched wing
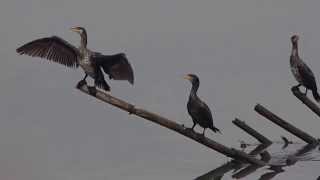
307, 76
52, 48
117, 66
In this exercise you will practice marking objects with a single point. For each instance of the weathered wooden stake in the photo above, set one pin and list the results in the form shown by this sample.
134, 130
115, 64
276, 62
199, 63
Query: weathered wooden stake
285, 125
230, 152
242, 125
305, 100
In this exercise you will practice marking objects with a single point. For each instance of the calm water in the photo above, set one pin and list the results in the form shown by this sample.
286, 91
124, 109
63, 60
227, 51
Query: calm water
283, 161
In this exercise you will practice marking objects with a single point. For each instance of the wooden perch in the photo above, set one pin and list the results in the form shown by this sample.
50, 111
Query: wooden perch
234, 164
265, 156
230, 152
305, 100
259, 149
246, 171
218, 172
242, 125
285, 125
305, 149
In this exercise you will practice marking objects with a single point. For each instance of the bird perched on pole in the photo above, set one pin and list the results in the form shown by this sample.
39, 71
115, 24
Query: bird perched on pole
301, 71
197, 109
58, 50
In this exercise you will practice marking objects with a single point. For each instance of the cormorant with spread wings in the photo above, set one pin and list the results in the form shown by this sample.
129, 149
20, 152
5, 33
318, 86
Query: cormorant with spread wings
58, 50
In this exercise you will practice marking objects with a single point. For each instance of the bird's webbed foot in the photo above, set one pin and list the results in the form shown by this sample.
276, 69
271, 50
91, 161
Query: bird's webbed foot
81, 83
92, 90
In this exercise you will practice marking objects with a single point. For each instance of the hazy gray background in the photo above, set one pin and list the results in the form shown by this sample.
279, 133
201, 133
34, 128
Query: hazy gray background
239, 48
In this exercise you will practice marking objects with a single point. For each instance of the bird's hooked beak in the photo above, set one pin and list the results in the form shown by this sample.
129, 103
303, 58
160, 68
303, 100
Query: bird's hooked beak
75, 29
187, 77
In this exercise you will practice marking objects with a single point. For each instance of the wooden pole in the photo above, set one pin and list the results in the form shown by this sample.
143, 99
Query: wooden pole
305, 100
246, 171
285, 125
230, 152
265, 156
235, 165
305, 149
259, 149
242, 125
218, 172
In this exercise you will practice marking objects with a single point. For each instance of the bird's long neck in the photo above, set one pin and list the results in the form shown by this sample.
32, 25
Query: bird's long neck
294, 51
194, 89
83, 39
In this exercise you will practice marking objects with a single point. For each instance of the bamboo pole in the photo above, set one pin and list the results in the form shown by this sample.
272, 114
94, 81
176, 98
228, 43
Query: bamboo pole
230, 152
305, 100
285, 125
242, 125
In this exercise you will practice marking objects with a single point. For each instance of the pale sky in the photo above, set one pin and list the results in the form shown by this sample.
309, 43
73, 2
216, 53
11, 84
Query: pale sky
239, 49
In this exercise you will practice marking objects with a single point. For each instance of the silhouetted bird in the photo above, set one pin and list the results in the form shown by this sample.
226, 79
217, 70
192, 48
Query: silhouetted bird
301, 71
197, 109
60, 51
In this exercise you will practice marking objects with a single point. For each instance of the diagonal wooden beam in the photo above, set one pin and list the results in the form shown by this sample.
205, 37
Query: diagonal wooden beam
230, 152
305, 100
242, 125
285, 125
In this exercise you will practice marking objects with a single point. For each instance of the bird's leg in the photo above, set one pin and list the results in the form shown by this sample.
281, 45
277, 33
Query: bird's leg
194, 125
82, 82
306, 92
192, 129
92, 90
204, 130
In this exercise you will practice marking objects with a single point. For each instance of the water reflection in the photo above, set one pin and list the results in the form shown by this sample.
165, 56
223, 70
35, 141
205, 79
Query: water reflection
276, 156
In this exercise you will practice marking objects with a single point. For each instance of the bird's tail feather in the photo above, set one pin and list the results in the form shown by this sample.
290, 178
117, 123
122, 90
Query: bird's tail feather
316, 95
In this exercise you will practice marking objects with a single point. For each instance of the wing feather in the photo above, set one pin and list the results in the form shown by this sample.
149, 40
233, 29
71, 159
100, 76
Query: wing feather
52, 48
117, 66
307, 76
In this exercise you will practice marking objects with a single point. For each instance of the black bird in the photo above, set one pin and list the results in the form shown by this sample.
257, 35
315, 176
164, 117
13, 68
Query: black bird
58, 50
197, 109
301, 71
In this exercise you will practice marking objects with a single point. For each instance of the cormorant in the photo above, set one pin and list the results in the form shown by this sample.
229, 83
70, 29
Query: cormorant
58, 50
197, 109
301, 71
